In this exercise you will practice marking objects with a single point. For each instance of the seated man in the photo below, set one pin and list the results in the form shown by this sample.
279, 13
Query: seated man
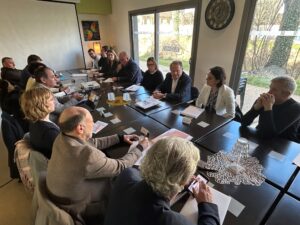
102, 60
129, 71
279, 114
9, 71
143, 197
45, 77
95, 58
25, 74
78, 172
176, 86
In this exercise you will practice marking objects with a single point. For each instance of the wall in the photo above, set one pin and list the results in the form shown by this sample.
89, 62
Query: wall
101, 7
105, 33
214, 47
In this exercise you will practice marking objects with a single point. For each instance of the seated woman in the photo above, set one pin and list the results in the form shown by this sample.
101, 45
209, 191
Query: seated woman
142, 197
37, 104
215, 95
152, 77
110, 66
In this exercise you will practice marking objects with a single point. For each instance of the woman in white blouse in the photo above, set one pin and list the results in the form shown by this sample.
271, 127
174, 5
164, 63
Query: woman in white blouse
215, 96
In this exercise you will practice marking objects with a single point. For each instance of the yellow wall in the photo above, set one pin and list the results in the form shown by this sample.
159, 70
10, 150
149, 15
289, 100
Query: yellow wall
101, 7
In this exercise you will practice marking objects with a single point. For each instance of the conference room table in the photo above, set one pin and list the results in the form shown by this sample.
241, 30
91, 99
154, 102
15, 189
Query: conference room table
286, 212
276, 155
294, 189
172, 118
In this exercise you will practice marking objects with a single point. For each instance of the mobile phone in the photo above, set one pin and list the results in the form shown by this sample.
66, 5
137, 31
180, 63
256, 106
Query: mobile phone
195, 183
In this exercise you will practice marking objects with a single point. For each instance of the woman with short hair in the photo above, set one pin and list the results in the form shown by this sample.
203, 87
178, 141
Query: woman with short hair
153, 77
216, 96
37, 104
144, 197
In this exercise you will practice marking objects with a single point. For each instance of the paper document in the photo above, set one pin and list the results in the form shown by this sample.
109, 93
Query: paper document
190, 209
192, 111
99, 125
170, 133
133, 87
108, 80
90, 85
59, 94
79, 75
297, 160
148, 103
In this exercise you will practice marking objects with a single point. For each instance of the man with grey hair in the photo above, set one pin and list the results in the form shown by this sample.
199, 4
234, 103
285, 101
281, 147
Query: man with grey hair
143, 197
129, 71
279, 114
176, 86
78, 172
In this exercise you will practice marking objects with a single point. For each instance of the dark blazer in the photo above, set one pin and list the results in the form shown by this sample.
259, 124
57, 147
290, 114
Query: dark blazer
11, 75
133, 202
182, 91
130, 73
42, 136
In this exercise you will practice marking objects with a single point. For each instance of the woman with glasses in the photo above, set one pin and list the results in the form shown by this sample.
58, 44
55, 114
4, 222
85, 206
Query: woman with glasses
152, 77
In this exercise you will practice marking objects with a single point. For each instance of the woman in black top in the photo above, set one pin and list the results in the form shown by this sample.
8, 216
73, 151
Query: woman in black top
110, 66
37, 104
152, 77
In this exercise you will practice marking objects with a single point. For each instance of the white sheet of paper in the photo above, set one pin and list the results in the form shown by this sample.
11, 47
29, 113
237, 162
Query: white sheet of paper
133, 87
59, 94
187, 120
129, 130
192, 111
235, 207
176, 112
79, 75
276, 155
108, 80
203, 124
228, 135
115, 120
99, 125
297, 160
144, 131
108, 114
101, 109
190, 209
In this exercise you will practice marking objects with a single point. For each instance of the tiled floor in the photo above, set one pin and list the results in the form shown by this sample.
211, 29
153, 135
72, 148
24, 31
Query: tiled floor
15, 202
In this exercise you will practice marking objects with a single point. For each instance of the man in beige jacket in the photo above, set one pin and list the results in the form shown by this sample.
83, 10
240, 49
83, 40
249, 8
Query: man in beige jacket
78, 174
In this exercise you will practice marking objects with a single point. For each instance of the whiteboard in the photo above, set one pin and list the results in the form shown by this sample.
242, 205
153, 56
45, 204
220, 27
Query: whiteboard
47, 29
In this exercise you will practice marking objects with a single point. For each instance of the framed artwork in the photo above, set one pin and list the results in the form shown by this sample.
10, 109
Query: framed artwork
91, 30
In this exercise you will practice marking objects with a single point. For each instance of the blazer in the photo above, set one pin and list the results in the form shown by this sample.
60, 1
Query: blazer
225, 105
78, 173
133, 202
183, 89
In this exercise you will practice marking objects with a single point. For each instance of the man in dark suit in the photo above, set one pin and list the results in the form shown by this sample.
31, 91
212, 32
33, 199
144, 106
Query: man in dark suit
129, 72
9, 71
176, 86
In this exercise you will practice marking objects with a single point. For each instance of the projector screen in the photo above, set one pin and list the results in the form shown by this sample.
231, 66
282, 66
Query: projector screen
47, 29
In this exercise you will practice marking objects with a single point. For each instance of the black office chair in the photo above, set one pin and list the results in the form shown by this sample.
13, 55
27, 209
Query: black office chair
194, 93
11, 133
241, 91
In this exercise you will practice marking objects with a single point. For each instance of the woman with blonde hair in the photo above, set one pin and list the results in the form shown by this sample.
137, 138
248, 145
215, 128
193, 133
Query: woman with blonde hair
143, 197
37, 104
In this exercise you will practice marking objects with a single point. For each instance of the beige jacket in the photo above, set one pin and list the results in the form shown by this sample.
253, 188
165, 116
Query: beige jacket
80, 172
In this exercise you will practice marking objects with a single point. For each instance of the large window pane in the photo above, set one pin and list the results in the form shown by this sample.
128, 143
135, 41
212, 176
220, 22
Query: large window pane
273, 47
143, 38
175, 37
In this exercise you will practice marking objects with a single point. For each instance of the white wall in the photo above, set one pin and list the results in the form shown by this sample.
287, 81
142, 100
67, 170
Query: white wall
214, 47
105, 33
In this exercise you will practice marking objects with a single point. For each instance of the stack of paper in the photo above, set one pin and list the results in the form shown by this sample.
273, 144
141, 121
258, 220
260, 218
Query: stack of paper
192, 111
170, 133
133, 87
99, 125
190, 209
148, 103
79, 75
90, 85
